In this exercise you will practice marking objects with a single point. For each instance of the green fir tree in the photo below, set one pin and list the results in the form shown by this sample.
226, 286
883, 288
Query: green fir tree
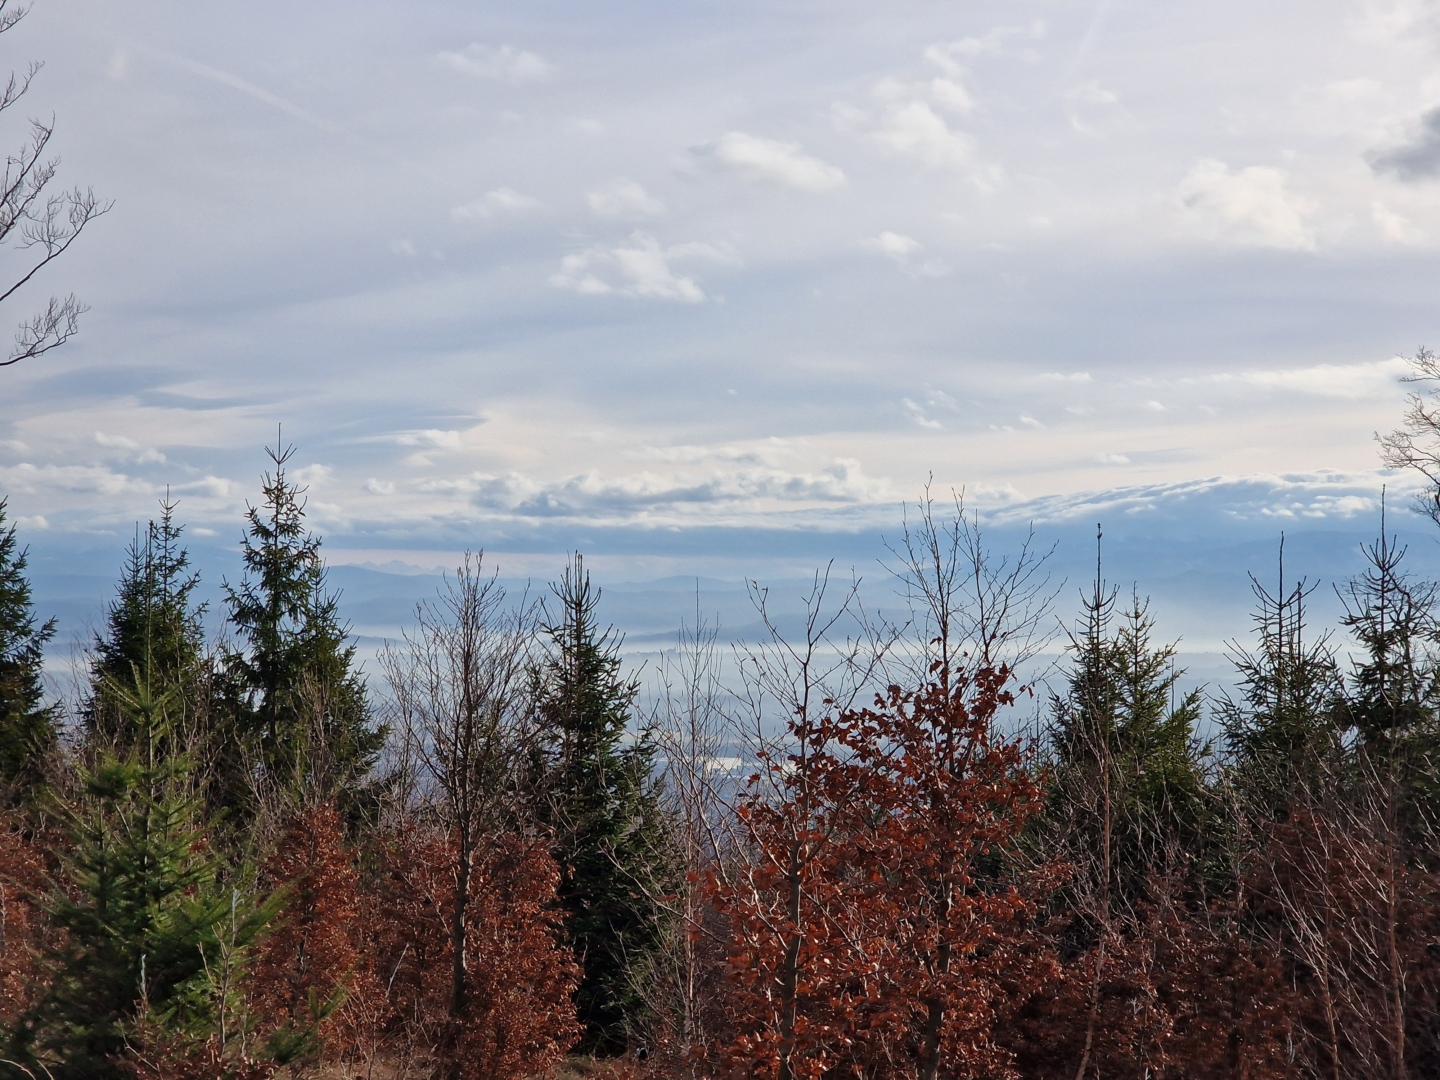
1280, 724
152, 621
28, 728
298, 702
1127, 787
152, 932
1392, 699
599, 796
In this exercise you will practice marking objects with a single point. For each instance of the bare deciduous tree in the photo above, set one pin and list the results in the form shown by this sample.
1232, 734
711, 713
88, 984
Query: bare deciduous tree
457, 681
37, 221
1415, 444
696, 742
970, 608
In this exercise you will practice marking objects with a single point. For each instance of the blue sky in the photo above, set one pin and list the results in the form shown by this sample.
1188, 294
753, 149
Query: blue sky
714, 287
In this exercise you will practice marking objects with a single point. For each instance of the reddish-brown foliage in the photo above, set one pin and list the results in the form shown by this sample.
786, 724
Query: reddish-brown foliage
875, 928
518, 1018
22, 923
158, 1054
1181, 993
310, 955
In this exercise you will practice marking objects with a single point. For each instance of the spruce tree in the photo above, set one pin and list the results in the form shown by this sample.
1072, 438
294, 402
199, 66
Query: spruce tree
28, 729
153, 625
1392, 700
152, 933
297, 699
600, 798
1127, 789
1280, 725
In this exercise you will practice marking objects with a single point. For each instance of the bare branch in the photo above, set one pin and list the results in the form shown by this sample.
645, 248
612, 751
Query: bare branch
34, 221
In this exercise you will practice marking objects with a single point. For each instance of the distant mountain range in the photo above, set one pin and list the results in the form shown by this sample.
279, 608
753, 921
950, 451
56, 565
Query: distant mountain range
1188, 545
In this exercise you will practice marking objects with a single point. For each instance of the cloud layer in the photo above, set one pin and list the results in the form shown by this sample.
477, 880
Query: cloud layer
672, 271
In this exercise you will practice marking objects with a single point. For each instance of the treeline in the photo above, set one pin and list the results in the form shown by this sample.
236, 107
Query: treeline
862, 849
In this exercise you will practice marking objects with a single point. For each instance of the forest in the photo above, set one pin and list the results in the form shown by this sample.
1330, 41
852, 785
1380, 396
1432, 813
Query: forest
861, 849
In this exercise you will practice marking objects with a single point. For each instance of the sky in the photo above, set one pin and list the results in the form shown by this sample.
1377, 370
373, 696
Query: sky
715, 287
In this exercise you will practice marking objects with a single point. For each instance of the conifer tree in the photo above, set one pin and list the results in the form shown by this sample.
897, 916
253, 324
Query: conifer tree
152, 935
28, 730
599, 796
1392, 700
153, 625
1280, 726
1128, 770
298, 700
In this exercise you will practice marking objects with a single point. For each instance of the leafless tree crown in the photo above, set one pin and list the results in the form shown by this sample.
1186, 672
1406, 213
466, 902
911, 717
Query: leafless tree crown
38, 222
1415, 444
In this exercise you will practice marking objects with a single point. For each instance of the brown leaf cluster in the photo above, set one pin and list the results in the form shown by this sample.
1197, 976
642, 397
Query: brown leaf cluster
518, 1018
22, 921
874, 928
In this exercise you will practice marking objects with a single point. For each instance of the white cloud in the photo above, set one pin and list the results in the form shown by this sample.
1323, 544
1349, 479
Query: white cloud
680, 498
624, 199
1154, 406
429, 437
951, 95
147, 456
991, 43
913, 129
29, 479
899, 247
1348, 381
1393, 226
1073, 377
1251, 206
379, 487
892, 244
36, 521
775, 162
1259, 497
214, 487
640, 269
1091, 93
918, 415
908, 121
504, 63
312, 475
494, 203
1085, 101
948, 93
1354, 90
